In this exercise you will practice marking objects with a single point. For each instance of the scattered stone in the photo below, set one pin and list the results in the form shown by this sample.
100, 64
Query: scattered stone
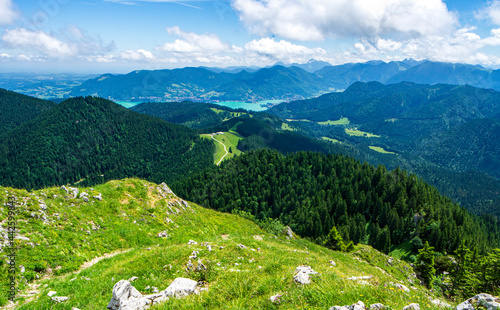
84, 196
390, 260
21, 267
200, 265
486, 300
377, 306
163, 234
440, 303
241, 246
72, 280
332, 263
302, 274
209, 248
98, 197
132, 279
360, 278
192, 242
363, 282
60, 299
75, 191
51, 293
64, 189
413, 306
400, 286
257, 237
357, 306
194, 255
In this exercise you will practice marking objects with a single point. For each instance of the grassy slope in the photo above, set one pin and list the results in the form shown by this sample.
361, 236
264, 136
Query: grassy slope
230, 140
131, 215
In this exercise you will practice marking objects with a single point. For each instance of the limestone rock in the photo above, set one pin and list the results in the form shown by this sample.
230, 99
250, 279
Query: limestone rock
400, 286
84, 196
241, 246
413, 306
181, 287
75, 191
377, 306
332, 263
302, 274
98, 197
486, 300
60, 299
360, 278
440, 303
357, 306
164, 190
192, 242
51, 293
64, 189
163, 234
289, 232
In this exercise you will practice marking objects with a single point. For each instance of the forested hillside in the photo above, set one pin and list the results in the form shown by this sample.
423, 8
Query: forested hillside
312, 193
187, 113
17, 109
445, 133
90, 140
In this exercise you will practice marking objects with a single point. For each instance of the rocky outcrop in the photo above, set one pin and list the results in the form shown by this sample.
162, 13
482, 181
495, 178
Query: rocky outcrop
302, 274
412, 307
127, 297
357, 306
480, 301
164, 190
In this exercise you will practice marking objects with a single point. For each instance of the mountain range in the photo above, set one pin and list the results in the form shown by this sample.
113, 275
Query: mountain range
291, 82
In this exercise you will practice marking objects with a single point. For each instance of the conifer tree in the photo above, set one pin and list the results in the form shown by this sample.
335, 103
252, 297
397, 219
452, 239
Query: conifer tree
425, 264
334, 240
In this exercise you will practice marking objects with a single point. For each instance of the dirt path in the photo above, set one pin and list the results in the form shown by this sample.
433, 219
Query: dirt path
225, 149
32, 290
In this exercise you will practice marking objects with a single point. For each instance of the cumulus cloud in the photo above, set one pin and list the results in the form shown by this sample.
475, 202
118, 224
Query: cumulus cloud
309, 20
282, 50
191, 42
37, 40
137, 55
463, 46
7, 14
492, 12
69, 42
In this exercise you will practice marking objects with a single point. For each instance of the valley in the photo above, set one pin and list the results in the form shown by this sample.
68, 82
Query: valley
390, 192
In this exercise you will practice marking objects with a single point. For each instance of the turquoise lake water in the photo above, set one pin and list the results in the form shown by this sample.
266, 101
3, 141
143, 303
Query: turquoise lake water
251, 106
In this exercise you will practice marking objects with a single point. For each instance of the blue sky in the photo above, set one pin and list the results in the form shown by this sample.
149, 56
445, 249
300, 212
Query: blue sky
118, 36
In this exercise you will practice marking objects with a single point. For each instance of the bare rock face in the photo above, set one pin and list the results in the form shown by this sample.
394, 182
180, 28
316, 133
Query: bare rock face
485, 300
164, 190
289, 232
127, 297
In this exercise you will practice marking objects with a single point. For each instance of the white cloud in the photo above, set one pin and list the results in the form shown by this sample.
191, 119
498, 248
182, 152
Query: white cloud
7, 14
137, 55
191, 42
309, 20
69, 42
463, 46
37, 40
493, 12
282, 50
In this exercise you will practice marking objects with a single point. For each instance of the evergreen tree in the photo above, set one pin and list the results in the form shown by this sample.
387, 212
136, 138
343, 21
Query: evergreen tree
334, 240
425, 264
